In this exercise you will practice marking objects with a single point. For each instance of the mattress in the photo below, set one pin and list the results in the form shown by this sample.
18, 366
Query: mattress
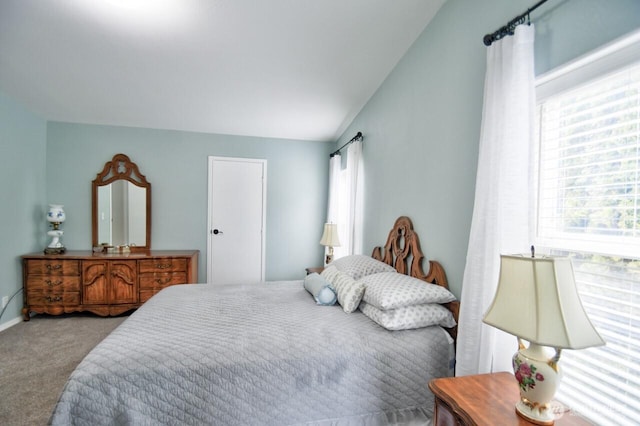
260, 354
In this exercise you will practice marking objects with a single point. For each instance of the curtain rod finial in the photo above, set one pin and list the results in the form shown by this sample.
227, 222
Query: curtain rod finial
488, 39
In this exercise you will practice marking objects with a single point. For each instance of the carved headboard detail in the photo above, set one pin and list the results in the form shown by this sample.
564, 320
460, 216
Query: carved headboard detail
402, 251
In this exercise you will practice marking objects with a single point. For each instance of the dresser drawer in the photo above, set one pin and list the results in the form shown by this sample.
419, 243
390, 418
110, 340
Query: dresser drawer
160, 281
162, 265
53, 283
39, 298
145, 294
53, 267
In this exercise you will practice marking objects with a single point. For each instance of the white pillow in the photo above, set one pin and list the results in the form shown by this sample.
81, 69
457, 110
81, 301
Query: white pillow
390, 290
349, 290
329, 273
410, 317
359, 265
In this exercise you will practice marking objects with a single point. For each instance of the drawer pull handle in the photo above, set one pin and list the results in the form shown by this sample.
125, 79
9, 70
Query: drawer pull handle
163, 281
54, 267
53, 283
163, 265
53, 299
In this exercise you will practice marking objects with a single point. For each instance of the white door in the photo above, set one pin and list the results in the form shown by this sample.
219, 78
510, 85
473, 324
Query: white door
237, 212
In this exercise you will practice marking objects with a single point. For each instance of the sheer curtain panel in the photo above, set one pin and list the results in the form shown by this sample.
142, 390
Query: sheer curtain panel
503, 199
335, 163
335, 195
355, 182
346, 200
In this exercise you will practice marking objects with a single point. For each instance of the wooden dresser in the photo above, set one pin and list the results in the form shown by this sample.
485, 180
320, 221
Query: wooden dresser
105, 284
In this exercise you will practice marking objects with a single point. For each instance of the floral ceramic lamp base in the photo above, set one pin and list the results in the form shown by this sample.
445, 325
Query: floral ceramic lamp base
538, 377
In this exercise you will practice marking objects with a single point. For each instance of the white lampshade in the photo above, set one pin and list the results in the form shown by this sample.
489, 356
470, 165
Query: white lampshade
537, 301
330, 235
56, 213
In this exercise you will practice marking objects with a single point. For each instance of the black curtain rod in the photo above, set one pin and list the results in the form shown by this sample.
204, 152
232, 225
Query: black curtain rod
510, 26
357, 137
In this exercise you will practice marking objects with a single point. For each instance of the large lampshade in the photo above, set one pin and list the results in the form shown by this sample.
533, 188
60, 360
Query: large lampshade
537, 301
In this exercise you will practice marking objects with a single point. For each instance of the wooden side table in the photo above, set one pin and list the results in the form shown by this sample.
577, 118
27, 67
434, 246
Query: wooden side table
483, 399
316, 269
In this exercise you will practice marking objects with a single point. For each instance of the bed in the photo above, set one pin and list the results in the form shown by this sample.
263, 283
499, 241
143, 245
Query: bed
269, 354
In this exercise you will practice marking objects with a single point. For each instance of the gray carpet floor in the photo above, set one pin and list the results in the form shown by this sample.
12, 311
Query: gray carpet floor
37, 357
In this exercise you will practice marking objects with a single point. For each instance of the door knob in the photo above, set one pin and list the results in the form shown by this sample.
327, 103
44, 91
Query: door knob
216, 232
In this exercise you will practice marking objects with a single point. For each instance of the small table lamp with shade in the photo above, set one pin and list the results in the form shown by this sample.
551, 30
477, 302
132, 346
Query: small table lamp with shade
537, 301
55, 217
330, 239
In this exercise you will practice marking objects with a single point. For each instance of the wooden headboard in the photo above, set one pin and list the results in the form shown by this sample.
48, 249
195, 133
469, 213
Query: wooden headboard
402, 251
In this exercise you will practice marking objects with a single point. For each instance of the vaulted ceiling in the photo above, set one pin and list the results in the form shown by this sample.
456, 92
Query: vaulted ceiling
297, 69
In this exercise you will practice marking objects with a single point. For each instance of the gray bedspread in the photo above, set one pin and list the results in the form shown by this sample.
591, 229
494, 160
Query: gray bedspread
263, 354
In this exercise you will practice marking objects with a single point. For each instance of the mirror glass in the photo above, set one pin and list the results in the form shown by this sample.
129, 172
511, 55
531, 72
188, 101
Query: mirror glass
121, 206
121, 214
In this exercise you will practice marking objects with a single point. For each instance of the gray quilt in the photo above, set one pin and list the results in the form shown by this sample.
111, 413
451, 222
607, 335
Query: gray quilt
262, 354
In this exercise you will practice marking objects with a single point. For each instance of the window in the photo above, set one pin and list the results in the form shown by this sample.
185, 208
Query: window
588, 208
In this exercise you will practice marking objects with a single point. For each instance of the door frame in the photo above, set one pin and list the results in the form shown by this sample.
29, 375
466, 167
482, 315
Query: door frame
211, 160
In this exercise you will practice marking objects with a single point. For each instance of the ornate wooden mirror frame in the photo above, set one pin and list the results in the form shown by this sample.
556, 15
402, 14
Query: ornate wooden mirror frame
121, 168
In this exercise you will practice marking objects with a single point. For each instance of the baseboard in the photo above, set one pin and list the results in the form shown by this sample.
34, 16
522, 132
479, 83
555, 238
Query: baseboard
10, 323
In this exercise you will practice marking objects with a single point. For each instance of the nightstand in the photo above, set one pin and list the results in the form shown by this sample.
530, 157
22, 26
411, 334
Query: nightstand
483, 399
316, 269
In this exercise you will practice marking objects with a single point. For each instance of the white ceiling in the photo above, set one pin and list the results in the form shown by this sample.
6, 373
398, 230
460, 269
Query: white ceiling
297, 69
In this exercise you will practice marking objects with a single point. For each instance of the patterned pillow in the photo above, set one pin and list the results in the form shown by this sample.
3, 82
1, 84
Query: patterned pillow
358, 266
329, 273
409, 317
349, 291
390, 290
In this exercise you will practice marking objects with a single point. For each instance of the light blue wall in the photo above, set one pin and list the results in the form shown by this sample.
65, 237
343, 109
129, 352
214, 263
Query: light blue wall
22, 150
421, 133
176, 165
421, 128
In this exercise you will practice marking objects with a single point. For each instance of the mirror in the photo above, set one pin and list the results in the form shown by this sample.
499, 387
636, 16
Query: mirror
121, 206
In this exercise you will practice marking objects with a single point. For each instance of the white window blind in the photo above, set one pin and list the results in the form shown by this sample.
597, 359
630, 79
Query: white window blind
589, 209
603, 383
590, 166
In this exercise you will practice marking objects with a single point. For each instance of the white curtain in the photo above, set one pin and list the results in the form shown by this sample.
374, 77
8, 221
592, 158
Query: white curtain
355, 187
335, 195
345, 204
335, 164
503, 200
